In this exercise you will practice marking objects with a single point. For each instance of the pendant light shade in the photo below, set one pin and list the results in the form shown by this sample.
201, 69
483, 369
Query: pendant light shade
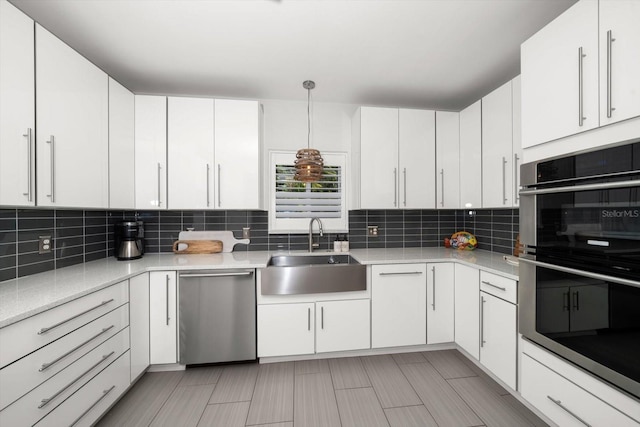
309, 163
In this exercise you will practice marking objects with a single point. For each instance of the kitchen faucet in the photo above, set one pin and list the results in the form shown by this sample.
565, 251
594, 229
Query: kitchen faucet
311, 244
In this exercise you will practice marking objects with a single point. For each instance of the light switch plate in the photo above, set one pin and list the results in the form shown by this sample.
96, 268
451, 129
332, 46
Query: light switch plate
45, 244
373, 230
246, 232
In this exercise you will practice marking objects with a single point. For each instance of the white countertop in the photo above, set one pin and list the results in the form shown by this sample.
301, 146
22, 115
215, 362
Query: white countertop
27, 296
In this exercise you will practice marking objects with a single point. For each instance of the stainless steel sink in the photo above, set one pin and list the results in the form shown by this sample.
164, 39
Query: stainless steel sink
312, 274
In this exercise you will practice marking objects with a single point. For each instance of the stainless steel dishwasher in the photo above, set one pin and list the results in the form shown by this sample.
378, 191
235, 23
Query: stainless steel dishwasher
217, 313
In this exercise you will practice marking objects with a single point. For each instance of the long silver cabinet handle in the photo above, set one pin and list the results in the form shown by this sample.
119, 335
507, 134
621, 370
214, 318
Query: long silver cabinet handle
610, 40
243, 273
48, 328
516, 176
28, 135
208, 169
568, 411
587, 187
159, 181
482, 341
322, 317
405, 186
400, 273
46, 366
581, 117
219, 187
104, 394
395, 187
597, 276
44, 402
433, 291
308, 319
504, 181
52, 142
442, 187
494, 286
167, 291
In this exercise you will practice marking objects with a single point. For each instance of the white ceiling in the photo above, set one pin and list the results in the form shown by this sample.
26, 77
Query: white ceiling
441, 54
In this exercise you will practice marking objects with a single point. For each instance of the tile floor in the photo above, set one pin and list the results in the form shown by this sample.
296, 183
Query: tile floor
436, 388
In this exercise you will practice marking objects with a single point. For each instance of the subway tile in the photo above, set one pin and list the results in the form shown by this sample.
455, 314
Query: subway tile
69, 251
8, 262
7, 224
8, 274
70, 213
27, 270
34, 223
35, 213
8, 213
95, 256
8, 249
68, 262
67, 222
9, 236
76, 231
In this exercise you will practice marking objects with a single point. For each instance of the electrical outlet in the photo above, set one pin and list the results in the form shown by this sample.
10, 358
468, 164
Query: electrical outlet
44, 244
246, 232
373, 230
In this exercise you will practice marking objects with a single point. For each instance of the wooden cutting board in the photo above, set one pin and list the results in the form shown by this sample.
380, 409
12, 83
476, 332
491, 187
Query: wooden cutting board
226, 237
197, 246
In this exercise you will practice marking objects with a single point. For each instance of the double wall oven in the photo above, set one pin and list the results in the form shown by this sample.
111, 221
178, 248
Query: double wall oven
580, 272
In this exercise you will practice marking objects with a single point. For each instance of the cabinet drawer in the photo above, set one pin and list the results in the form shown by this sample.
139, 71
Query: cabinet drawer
86, 405
564, 402
44, 398
37, 331
34, 369
499, 286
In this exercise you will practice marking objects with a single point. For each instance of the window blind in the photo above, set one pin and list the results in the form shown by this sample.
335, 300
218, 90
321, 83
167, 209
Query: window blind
295, 199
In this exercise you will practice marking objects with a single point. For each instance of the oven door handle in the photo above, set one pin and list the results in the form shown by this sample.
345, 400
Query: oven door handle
582, 273
585, 187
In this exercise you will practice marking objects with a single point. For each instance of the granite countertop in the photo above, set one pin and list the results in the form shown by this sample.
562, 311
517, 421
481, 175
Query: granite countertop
27, 296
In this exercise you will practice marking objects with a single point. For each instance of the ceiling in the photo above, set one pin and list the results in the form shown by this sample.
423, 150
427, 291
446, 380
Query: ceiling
441, 54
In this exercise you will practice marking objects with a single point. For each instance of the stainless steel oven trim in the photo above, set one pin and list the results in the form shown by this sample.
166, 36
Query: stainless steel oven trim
586, 187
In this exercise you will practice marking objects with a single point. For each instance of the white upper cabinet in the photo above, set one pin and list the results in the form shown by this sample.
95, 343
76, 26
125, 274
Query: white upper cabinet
378, 158
447, 160
516, 120
471, 156
497, 148
560, 76
17, 108
237, 154
619, 38
72, 135
121, 146
151, 152
416, 153
190, 153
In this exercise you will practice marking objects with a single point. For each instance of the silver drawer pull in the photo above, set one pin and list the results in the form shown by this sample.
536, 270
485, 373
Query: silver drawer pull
104, 394
47, 329
494, 286
243, 273
46, 366
45, 401
559, 403
400, 273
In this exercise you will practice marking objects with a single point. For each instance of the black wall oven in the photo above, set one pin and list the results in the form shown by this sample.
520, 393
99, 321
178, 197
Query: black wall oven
579, 290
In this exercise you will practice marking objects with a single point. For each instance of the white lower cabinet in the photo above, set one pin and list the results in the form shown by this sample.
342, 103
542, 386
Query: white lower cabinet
139, 324
467, 310
308, 328
498, 335
440, 303
398, 305
163, 338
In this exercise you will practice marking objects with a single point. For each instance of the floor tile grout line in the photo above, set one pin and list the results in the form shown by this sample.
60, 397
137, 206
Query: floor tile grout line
416, 391
165, 401
335, 397
207, 404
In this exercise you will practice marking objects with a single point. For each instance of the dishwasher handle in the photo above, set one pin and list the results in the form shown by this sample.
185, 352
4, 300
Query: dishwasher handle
242, 273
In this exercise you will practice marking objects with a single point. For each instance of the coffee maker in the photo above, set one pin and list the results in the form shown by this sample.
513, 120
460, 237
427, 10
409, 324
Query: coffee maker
129, 240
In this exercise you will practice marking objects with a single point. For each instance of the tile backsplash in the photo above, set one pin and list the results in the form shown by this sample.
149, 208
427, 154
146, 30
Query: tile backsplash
86, 235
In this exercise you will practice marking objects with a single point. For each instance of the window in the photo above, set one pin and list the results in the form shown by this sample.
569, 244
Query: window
294, 203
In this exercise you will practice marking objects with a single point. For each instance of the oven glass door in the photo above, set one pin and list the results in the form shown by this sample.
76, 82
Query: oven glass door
598, 319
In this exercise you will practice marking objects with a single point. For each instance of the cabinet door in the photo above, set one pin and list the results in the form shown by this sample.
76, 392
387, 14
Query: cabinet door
286, 329
190, 153
121, 147
498, 337
151, 152
551, 70
589, 308
237, 154
497, 141
379, 158
163, 318
398, 305
467, 309
417, 146
343, 325
139, 323
471, 156
552, 310
447, 160
17, 108
516, 148
73, 127
440, 303
619, 60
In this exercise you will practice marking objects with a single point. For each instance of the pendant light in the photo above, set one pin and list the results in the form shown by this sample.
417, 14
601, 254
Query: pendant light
308, 160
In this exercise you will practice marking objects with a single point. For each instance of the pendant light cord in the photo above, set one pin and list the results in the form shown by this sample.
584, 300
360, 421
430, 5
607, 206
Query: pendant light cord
308, 118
